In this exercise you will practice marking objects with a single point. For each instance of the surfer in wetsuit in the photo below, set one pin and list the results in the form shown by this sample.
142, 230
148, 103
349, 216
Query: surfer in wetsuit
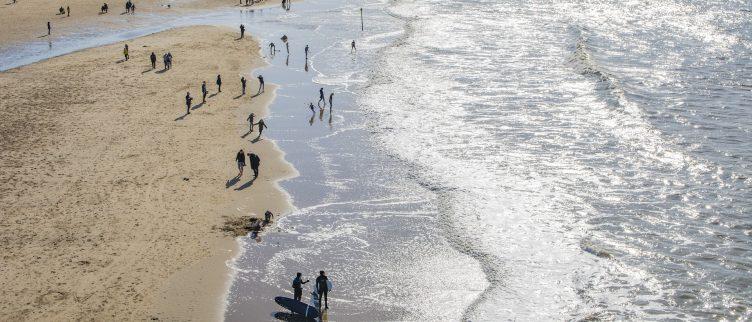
322, 288
297, 286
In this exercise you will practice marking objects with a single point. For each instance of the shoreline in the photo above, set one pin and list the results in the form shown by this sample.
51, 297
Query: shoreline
65, 117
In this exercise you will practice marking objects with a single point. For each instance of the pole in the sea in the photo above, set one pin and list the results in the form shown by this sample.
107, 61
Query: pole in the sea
361, 19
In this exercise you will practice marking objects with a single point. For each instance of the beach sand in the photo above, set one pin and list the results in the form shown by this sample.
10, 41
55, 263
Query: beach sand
112, 197
26, 20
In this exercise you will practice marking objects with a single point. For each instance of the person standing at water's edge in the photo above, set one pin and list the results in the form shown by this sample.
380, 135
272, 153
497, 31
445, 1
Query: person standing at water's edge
331, 96
321, 97
240, 159
49, 28
261, 126
268, 215
297, 286
242, 30
352, 46
322, 288
261, 84
188, 100
219, 83
306, 52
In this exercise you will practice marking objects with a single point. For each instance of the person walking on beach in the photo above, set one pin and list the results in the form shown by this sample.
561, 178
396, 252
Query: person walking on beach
125, 52
352, 46
242, 84
261, 84
255, 162
240, 159
169, 60
250, 121
331, 96
188, 101
49, 28
261, 126
297, 286
310, 105
242, 30
272, 48
68, 10
306, 52
322, 288
153, 58
219, 83
321, 97
203, 92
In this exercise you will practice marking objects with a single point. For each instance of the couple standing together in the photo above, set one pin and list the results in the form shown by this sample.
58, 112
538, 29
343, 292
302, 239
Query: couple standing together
253, 158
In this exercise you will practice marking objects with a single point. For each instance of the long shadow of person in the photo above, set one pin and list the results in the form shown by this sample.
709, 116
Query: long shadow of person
245, 185
232, 182
197, 106
306, 65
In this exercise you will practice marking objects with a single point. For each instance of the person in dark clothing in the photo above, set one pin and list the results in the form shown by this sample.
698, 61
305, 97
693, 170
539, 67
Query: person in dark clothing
68, 10
242, 30
240, 158
255, 162
306, 52
261, 126
188, 100
322, 288
272, 48
153, 58
261, 84
219, 83
250, 121
321, 97
242, 84
331, 96
310, 105
203, 92
125, 52
268, 215
352, 46
297, 286
49, 28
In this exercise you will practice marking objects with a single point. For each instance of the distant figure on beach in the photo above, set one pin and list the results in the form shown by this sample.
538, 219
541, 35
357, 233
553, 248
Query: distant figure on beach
104, 8
321, 97
306, 52
255, 162
169, 60
133, 8
125, 51
322, 288
128, 5
261, 84
188, 100
153, 58
261, 126
331, 96
297, 285
352, 46
203, 92
242, 30
61, 11
219, 84
272, 48
242, 84
49, 28
268, 215
68, 10
250, 121
310, 105
240, 159
164, 60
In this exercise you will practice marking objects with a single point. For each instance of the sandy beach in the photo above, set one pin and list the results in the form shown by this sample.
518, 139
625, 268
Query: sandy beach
113, 198
27, 20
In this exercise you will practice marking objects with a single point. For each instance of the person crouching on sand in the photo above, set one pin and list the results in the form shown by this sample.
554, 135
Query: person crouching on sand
240, 158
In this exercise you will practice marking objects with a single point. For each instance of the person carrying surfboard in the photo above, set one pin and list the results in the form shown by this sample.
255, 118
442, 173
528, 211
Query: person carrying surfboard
297, 286
322, 287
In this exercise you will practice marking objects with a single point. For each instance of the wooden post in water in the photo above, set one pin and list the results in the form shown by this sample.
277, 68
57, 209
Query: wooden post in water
361, 19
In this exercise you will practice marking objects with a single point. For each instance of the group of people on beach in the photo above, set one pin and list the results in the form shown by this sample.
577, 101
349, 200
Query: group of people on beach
130, 7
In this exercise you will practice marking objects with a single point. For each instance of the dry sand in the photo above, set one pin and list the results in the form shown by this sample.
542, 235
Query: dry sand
111, 197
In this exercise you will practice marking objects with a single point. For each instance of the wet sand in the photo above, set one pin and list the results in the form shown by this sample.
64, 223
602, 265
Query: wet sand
113, 198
